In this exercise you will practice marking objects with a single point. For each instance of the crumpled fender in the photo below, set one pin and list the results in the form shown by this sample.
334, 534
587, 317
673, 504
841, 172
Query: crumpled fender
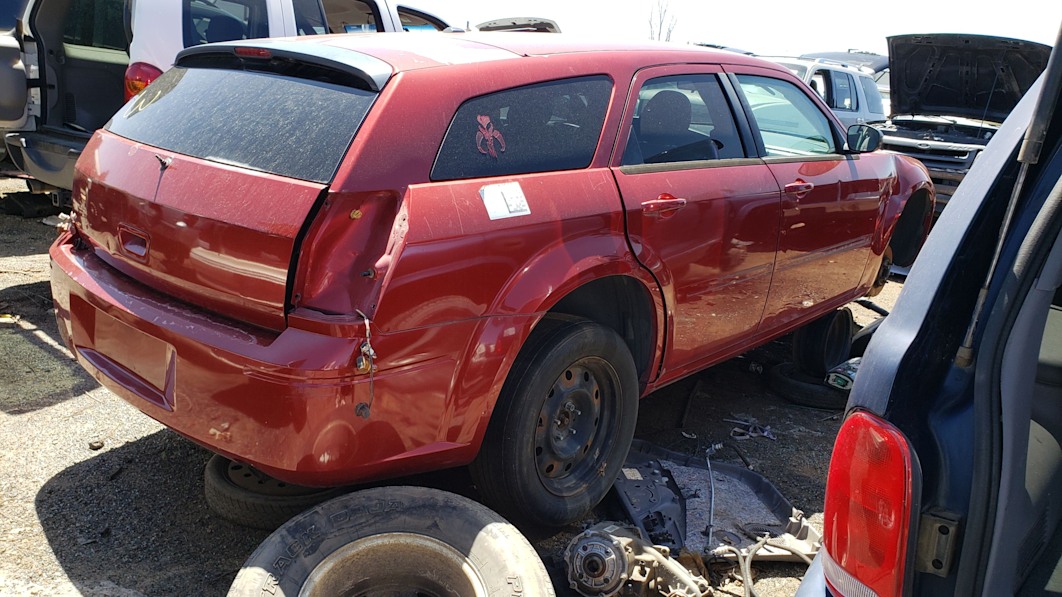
551, 275
911, 178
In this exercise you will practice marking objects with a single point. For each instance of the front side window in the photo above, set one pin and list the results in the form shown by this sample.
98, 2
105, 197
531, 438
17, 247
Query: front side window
843, 94
209, 21
682, 118
97, 24
789, 123
293, 127
538, 128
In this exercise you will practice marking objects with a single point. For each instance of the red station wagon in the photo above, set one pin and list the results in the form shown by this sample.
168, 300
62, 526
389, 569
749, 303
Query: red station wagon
349, 258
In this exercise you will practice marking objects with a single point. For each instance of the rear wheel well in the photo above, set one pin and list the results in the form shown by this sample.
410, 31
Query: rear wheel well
908, 234
622, 304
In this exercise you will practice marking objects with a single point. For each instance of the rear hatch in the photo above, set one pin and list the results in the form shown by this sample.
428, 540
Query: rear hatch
200, 186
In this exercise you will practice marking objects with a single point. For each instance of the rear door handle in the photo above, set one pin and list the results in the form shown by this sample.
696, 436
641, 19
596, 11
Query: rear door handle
663, 206
799, 188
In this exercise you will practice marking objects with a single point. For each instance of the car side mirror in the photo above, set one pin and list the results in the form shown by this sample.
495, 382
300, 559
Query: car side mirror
863, 138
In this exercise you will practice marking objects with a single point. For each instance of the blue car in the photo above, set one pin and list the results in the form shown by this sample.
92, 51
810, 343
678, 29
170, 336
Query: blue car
946, 476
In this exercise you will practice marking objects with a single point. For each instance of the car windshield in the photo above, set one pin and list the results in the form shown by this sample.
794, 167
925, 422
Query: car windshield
11, 11
283, 125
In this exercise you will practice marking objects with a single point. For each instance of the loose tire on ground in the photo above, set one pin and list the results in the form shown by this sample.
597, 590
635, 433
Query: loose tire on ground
824, 343
562, 426
395, 541
247, 497
800, 388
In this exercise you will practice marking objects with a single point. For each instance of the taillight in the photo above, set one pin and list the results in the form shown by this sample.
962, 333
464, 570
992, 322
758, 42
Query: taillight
138, 76
868, 509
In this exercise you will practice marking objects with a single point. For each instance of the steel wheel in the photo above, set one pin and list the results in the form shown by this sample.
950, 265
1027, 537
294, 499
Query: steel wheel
572, 423
562, 426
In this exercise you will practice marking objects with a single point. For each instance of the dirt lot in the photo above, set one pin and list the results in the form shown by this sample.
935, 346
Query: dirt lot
98, 499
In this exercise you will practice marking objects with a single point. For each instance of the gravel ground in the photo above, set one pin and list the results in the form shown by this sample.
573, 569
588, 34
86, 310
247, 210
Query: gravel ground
99, 500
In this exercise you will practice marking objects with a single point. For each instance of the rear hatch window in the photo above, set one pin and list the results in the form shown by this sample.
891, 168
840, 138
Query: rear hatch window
200, 186
294, 127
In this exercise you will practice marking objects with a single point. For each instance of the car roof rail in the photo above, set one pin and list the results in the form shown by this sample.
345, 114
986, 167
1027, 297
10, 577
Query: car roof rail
862, 69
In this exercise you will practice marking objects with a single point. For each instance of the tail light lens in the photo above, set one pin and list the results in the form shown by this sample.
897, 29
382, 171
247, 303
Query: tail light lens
868, 509
138, 76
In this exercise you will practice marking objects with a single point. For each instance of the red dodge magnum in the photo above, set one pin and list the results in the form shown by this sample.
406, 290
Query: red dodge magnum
349, 258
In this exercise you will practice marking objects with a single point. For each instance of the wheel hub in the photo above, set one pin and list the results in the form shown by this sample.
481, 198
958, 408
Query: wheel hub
569, 426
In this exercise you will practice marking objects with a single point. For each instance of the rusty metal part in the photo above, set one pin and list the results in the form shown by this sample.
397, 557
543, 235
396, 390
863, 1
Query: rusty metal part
610, 559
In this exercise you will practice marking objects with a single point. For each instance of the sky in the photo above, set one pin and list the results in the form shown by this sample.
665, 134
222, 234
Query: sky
772, 27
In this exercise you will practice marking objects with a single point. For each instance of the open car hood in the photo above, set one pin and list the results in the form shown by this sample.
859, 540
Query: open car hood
950, 74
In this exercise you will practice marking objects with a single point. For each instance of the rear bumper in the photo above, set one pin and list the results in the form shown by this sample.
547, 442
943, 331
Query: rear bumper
283, 402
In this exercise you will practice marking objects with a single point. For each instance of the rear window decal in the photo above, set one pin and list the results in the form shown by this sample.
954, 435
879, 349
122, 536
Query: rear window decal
505, 200
486, 135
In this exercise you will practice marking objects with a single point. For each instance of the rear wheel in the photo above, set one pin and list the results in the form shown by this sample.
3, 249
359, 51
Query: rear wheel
395, 541
562, 426
248, 497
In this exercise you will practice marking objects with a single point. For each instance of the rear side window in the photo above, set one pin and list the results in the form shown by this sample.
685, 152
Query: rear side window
292, 127
352, 16
682, 118
538, 128
208, 21
415, 20
309, 17
97, 24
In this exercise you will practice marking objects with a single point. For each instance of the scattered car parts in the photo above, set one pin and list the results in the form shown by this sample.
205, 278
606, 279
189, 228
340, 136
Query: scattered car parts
609, 560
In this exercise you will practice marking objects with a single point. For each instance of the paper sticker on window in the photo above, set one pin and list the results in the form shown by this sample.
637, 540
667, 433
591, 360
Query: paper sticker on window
504, 200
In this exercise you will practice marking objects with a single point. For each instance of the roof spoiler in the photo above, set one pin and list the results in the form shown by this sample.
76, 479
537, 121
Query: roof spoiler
372, 72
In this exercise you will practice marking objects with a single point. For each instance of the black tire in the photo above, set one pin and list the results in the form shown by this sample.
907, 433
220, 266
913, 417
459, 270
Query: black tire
803, 389
824, 343
562, 426
395, 541
862, 338
240, 494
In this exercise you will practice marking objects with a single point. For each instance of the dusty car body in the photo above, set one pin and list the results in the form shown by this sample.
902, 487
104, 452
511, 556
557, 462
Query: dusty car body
379, 285
945, 475
948, 95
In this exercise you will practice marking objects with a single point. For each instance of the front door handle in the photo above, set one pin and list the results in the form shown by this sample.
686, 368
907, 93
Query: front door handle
799, 188
663, 206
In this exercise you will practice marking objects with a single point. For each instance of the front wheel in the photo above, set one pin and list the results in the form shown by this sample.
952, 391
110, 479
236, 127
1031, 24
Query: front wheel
395, 541
562, 426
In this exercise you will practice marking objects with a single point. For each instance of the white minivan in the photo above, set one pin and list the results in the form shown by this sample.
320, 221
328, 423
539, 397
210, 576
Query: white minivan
66, 66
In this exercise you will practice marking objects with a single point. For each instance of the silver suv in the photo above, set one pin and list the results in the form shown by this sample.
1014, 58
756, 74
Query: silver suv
849, 91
